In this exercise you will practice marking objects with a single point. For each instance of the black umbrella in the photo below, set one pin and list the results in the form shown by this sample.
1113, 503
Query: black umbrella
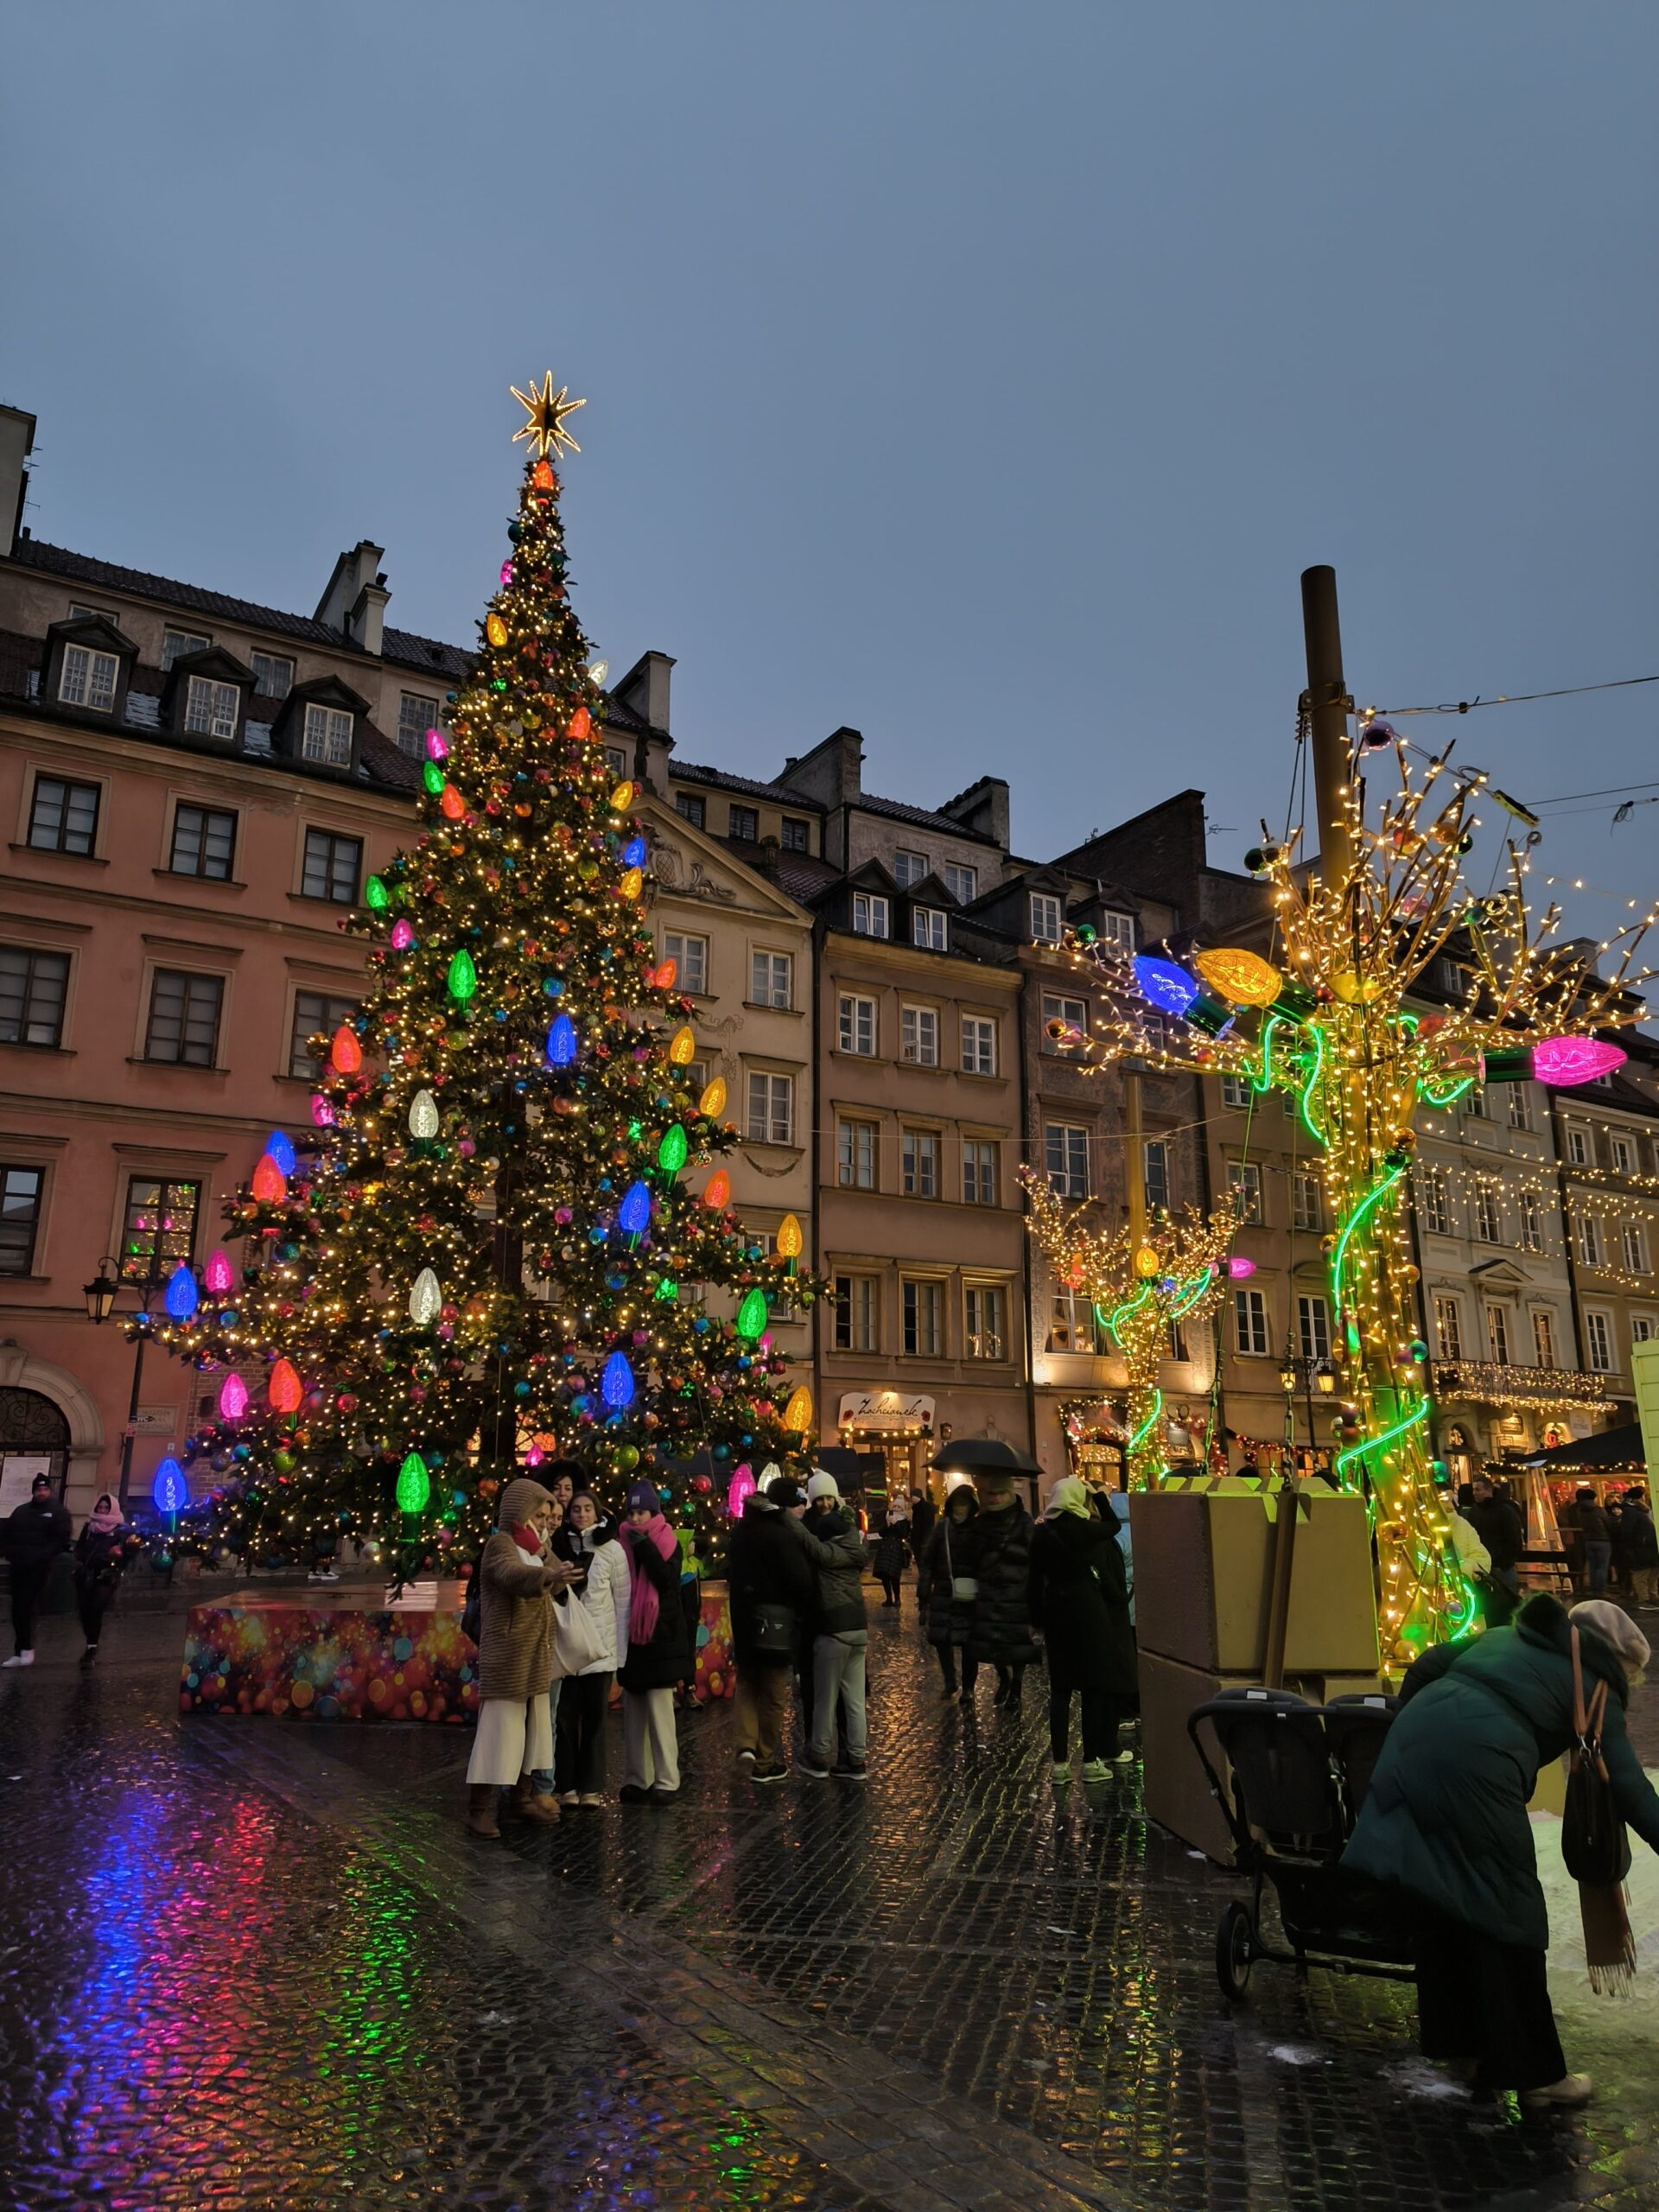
1614, 1447
977, 1455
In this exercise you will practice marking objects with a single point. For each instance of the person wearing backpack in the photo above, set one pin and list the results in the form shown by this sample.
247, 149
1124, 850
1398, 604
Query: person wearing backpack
773, 1590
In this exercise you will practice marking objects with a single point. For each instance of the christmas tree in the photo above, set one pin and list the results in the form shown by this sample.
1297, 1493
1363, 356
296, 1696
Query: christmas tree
506, 1237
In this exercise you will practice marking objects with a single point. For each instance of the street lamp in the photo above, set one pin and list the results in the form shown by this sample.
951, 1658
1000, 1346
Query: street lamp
100, 1292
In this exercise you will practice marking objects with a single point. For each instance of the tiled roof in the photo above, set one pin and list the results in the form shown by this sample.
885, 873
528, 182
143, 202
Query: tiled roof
804, 876
722, 779
923, 817
403, 646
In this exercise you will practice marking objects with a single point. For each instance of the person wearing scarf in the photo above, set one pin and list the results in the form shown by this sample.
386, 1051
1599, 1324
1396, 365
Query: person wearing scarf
514, 1742
100, 1561
1445, 1825
1080, 1600
659, 1652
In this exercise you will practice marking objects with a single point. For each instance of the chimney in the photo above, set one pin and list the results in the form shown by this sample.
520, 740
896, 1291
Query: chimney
832, 773
983, 806
645, 688
355, 602
16, 443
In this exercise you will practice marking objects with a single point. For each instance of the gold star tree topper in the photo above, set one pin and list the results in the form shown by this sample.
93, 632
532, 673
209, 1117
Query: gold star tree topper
547, 409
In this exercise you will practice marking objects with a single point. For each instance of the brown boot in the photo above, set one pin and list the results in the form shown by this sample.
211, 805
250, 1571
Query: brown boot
546, 1810
519, 1800
480, 1810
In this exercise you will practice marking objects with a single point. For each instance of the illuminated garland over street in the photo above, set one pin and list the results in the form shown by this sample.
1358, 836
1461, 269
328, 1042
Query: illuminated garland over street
1140, 1287
1332, 1028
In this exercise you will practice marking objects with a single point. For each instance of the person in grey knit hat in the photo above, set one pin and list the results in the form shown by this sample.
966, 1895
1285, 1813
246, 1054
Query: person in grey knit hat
516, 1581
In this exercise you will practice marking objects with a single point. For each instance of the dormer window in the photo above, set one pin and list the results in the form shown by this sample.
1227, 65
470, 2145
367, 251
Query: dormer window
870, 914
210, 709
1117, 929
88, 678
328, 737
928, 928
1045, 918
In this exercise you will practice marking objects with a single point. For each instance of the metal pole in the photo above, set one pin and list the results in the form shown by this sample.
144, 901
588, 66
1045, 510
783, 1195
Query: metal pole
139, 1343
1328, 707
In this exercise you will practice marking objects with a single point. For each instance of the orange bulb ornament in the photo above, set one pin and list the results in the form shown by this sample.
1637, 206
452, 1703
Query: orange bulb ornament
717, 1190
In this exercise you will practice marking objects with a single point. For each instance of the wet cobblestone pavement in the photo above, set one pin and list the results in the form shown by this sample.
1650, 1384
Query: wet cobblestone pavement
248, 1964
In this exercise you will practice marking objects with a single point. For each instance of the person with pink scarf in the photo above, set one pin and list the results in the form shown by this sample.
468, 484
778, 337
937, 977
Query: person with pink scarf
100, 1561
659, 1653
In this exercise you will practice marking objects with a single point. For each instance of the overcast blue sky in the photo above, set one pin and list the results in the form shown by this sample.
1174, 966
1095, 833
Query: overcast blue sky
982, 377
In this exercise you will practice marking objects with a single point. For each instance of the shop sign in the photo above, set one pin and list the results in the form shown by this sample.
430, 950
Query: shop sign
884, 1409
153, 1421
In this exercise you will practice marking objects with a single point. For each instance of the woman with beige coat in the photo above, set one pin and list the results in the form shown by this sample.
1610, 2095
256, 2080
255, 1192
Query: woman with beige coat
517, 1582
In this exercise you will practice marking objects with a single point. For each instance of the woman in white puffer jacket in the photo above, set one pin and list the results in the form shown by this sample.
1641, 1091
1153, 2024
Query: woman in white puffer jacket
590, 1543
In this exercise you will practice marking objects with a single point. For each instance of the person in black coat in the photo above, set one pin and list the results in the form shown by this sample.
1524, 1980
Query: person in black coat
100, 1561
893, 1550
1080, 1600
923, 1513
32, 1539
1641, 1542
998, 1633
773, 1596
659, 1651
1498, 1524
949, 1561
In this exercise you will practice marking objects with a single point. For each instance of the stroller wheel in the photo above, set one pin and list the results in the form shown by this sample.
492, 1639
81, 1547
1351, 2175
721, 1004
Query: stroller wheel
1235, 1951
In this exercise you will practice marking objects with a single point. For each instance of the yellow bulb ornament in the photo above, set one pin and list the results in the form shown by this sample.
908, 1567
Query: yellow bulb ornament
1241, 978
789, 1238
1146, 1262
622, 797
496, 630
681, 1048
631, 884
713, 1101
798, 1414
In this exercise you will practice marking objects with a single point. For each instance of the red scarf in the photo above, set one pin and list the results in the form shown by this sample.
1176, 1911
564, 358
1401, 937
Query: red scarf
527, 1539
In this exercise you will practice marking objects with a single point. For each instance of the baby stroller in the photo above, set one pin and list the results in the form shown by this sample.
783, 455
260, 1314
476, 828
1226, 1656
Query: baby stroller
1299, 1776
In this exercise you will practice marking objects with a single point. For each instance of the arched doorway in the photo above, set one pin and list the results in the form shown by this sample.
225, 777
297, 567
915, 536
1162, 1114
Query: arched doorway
34, 1440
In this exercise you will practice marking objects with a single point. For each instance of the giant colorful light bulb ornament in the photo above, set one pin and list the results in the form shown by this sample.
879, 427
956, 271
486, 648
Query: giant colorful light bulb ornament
1140, 1283
1329, 1019
477, 1257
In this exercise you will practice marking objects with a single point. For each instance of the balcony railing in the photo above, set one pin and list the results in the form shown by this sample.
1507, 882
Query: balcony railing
1494, 1383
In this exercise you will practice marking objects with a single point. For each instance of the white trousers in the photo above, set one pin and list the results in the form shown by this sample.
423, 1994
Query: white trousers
650, 1742
513, 1739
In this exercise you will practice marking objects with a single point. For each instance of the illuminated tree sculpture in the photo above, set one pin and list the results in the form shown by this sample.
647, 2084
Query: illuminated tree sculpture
1328, 1021
1141, 1284
495, 1242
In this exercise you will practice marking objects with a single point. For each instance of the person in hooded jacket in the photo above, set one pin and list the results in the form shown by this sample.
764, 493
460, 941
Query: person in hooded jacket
100, 1561
31, 1539
839, 1633
659, 1655
923, 1513
1080, 1600
604, 1592
893, 1550
1641, 1542
1445, 1824
773, 1592
947, 1613
998, 1633
516, 1581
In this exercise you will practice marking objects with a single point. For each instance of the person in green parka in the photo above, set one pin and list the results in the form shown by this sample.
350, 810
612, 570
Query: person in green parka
1445, 1822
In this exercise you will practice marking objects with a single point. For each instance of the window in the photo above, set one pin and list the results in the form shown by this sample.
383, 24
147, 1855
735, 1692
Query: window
158, 1230
327, 737
1598, 1341
696, 1076
978, 1172
33, 986
1578, 1145
855, 1144
1431, 1191
88, 679
1633, 1243
690, 958
1072, 1326
855, 1314
1643, 1328
331, 867
1236, 1092
204, 843
1543, 1339
176, 643
1532, 1222
1245, 1181
1474, 1103
1046, 917
1623, 1154
771, 979
1117, 929
1497, 1335
690, 807
1155, 1174
855, 1025
908, 868
779, 1305
918, 1035
797, 837
273, 675
77, 609
919, 1163
1314, 1327
1448, 1327
1175, 1341
1519, 1107
744, 824
984, 1314
210, 709
870, 914
1307, 1203
928, 927
63, 817
924, 1319
978, 1045
416, 714
772, 1108
962, 883
183, 1026
1062, 1017
1488, 1227
1065, 1150
20, 1218
1589, 1240
316, 1014
1251, 1323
